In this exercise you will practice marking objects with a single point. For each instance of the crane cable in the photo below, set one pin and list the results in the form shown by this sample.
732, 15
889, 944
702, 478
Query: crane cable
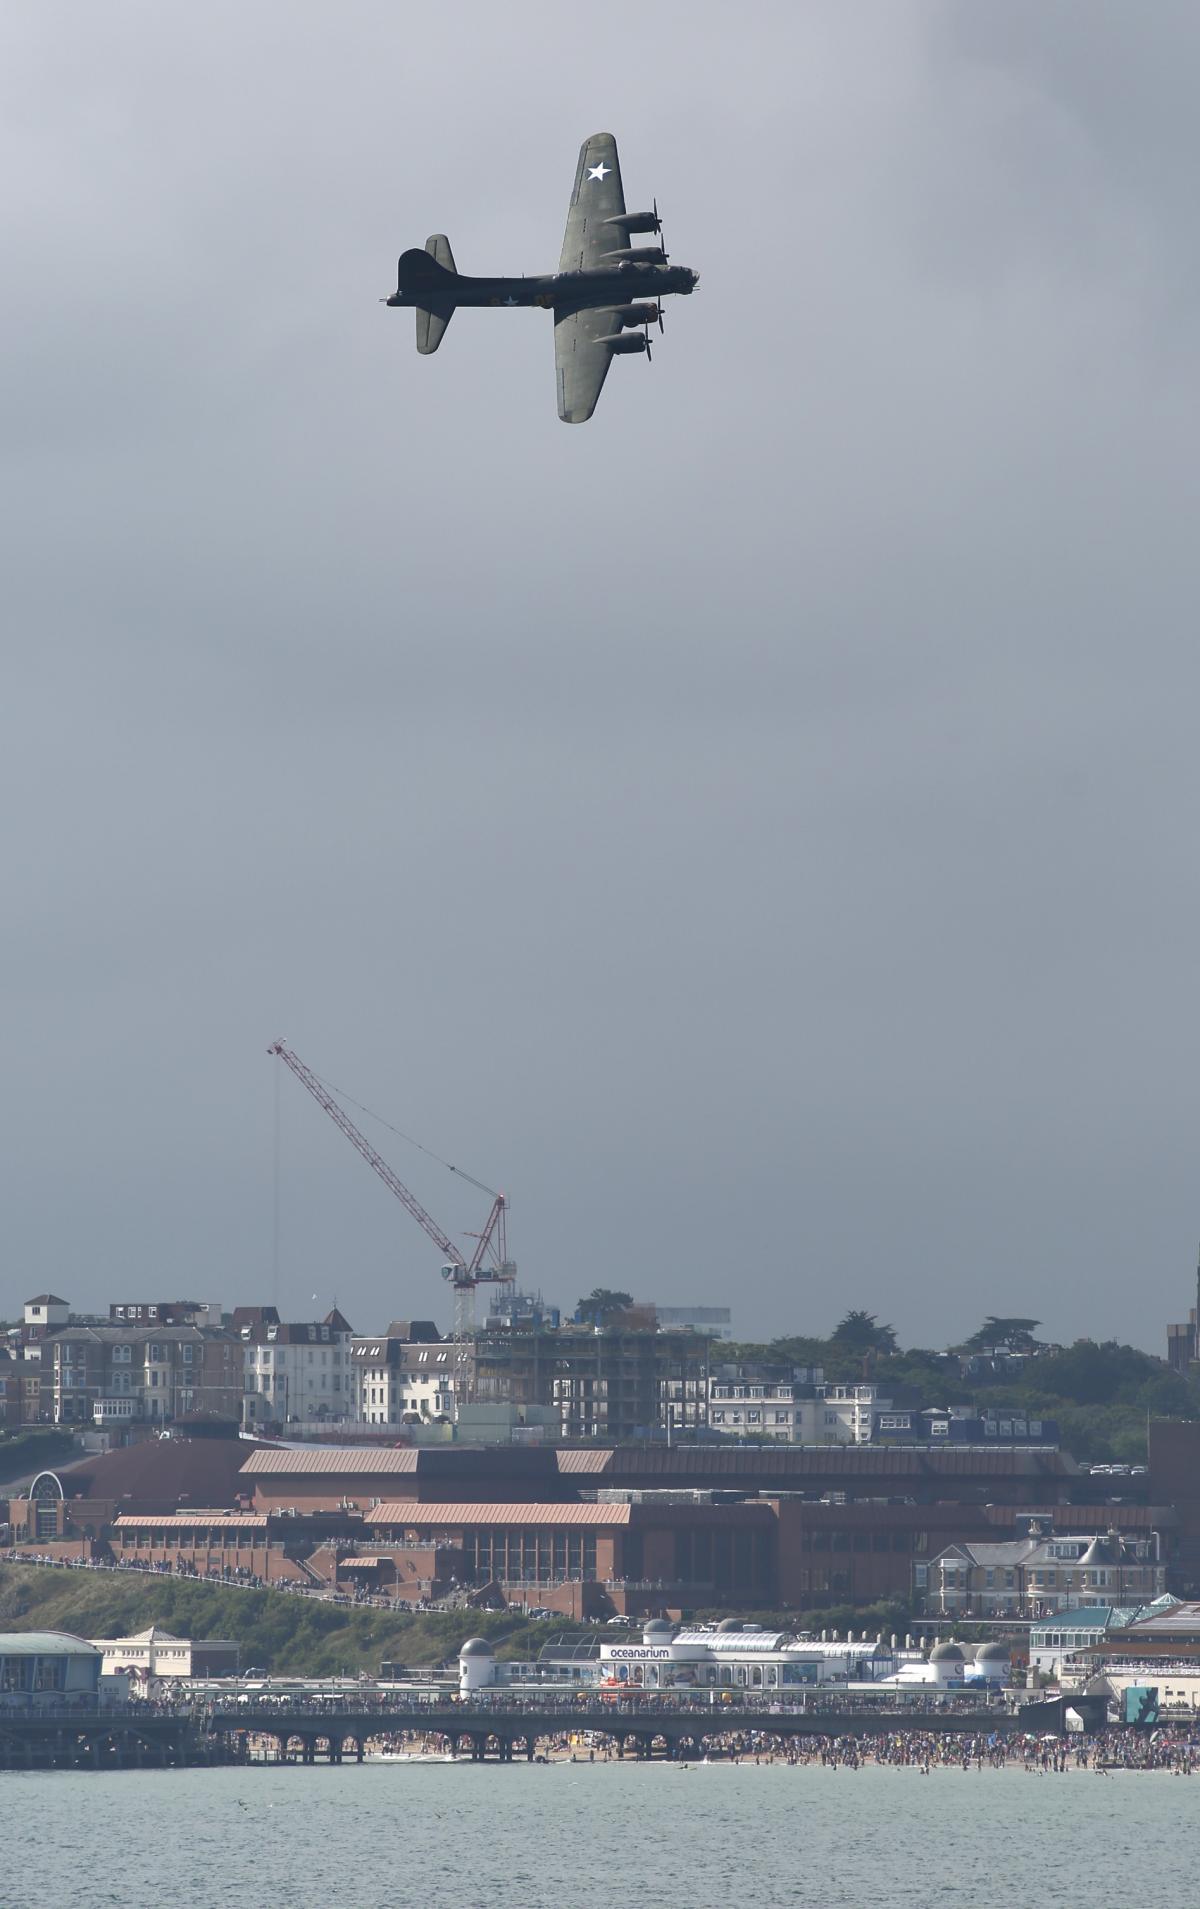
406, 1137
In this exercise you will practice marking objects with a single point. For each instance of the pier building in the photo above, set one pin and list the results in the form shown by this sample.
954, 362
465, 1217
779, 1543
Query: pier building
41, 1668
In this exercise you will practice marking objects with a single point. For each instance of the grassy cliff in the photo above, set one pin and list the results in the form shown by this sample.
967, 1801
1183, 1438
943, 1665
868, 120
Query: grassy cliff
278, 1630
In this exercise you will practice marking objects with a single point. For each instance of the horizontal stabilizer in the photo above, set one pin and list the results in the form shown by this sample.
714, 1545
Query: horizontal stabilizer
432, 320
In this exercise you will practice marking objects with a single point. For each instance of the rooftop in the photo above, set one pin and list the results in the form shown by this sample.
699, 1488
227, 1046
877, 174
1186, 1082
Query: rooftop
45, 1644
330, 1458
180, 1520
411, 1512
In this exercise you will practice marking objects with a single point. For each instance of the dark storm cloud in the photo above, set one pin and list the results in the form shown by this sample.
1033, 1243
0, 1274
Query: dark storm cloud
754, 828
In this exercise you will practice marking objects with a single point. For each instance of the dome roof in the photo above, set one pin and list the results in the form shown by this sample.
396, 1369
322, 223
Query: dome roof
947, 1653
657, 1625
476, 1647
993, 1654
45, 1644
729, 1624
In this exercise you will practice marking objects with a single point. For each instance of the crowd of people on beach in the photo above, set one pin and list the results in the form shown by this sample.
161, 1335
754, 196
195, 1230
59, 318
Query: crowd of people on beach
1175, 1751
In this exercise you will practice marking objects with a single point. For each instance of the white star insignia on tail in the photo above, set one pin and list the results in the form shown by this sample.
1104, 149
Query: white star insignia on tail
598, 172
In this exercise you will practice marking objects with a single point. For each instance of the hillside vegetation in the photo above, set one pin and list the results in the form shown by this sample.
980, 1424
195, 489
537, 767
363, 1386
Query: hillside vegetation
284, 1633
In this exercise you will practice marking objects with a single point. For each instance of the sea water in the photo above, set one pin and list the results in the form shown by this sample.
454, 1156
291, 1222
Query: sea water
595, 1836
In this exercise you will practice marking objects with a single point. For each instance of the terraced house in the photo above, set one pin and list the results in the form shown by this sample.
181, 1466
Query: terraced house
119, 1375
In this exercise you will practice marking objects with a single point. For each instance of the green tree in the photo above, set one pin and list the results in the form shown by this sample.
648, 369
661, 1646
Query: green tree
1015, 1335
601, 1304
860, 1332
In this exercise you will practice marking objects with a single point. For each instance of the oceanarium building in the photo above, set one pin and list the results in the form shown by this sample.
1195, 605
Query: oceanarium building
727, 1656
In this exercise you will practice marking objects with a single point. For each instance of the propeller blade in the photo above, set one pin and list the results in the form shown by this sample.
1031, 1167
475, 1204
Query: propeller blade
657, 220
661, 326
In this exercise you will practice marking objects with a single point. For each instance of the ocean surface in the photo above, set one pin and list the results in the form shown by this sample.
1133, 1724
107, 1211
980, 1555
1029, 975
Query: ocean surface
605, 1836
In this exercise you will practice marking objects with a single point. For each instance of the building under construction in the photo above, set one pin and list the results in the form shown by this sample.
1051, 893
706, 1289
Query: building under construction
611, 1382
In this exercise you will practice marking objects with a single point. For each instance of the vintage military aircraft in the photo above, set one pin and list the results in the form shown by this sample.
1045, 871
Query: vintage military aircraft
605, 295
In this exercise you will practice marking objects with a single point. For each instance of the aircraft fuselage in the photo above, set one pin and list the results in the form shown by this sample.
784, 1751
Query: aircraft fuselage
569, 291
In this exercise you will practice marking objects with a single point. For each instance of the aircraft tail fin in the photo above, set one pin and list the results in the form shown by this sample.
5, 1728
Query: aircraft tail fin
438, 248
435, 269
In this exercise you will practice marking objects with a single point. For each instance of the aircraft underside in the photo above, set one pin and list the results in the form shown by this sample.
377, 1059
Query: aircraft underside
605, 296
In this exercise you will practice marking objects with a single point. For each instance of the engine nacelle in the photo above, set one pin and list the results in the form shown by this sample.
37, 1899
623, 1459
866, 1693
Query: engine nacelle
636, 255
636, 314
626, 343
636, 221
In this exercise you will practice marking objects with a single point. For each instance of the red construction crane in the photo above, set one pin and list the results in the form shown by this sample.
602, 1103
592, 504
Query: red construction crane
465, 1276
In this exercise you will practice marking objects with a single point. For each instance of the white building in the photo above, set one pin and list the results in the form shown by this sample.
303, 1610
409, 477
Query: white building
47, 1309
730, 1656
157, 1653
792, 1409
398, 1381
294, 1372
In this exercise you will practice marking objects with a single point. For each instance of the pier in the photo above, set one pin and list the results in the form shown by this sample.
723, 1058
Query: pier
504, 1732
120, 1737
136, 1736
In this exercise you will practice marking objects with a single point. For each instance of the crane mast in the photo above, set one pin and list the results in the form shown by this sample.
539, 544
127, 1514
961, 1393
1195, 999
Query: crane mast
465, 1276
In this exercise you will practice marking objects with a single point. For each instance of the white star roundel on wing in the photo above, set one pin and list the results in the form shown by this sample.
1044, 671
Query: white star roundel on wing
598, 172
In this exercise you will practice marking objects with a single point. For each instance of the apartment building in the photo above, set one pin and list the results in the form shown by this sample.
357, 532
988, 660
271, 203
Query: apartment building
402, 1377
294, 1371
1044, 1572
114, 1376
782, 1405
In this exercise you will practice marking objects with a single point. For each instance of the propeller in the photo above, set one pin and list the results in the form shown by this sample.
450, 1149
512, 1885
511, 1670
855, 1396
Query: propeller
657, 220
661, 326
649, 355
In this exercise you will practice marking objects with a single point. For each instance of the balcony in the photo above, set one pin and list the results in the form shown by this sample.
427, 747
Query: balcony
116, 1411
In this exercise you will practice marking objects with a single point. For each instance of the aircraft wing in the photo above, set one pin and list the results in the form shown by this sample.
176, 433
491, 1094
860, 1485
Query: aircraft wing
597, 196
581, 361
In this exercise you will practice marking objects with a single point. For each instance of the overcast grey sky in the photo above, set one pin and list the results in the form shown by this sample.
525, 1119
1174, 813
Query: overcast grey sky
756, 828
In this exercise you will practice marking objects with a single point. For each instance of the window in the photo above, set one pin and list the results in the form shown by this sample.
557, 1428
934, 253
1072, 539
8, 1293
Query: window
185, 1353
